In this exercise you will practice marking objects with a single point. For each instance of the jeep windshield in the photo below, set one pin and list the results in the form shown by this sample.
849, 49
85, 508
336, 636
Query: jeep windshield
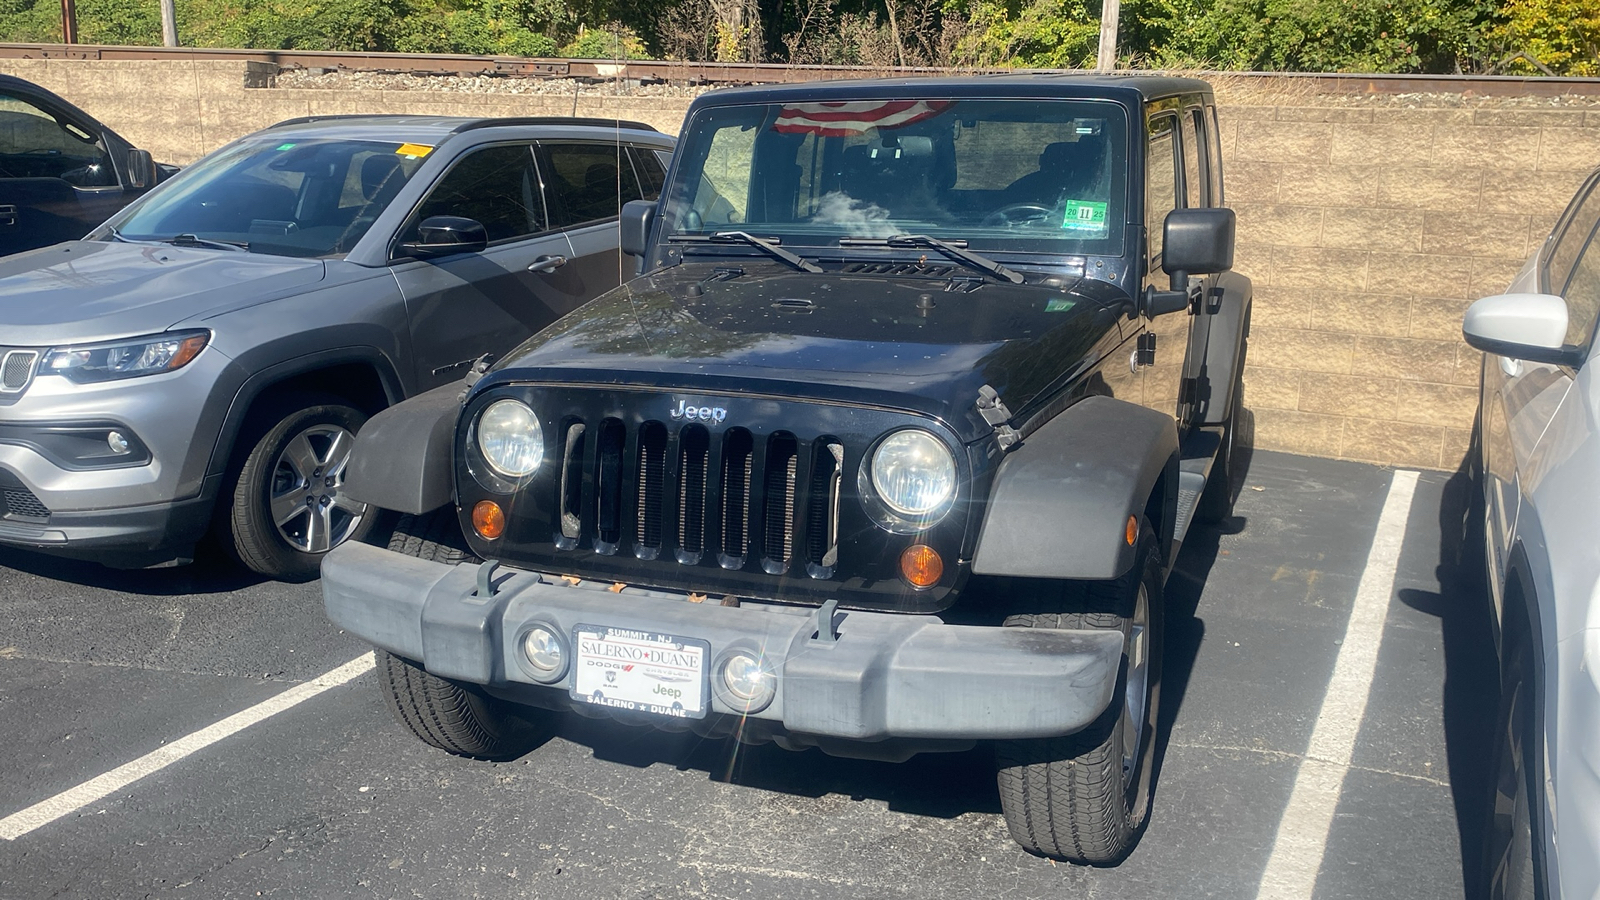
280, 195
1025, 176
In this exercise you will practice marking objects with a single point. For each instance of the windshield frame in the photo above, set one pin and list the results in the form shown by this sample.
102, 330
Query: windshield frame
694, 147
248, 152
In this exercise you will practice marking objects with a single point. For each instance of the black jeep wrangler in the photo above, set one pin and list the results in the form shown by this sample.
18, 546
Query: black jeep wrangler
888, 450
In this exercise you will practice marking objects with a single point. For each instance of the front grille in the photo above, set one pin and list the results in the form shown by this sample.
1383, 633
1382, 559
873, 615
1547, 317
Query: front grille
690, 495
16, 368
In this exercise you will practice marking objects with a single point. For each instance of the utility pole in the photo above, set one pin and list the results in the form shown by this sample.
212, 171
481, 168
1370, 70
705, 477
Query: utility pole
1110, 10
69, 22
169, 24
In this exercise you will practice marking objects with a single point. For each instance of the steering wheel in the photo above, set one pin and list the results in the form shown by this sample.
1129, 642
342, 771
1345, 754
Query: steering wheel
1013, 214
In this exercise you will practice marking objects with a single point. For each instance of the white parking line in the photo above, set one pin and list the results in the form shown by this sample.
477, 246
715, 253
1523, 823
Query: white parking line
1291, 872
73, 799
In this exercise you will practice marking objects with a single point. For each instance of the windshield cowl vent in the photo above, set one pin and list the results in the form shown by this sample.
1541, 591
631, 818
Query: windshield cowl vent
889, 268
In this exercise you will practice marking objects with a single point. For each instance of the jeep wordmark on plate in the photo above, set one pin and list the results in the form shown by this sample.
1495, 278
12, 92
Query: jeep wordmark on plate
889, 449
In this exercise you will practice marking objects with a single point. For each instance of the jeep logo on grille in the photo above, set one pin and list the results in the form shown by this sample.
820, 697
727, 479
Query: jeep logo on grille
714, 414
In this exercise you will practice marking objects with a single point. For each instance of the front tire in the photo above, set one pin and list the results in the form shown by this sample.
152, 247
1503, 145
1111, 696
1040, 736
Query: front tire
287, 510
1084, 797
1510, 872
453, 716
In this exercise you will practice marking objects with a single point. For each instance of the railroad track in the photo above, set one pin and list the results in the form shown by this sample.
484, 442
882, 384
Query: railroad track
682, 72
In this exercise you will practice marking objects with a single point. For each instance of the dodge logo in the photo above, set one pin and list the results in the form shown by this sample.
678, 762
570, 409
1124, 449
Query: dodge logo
715, 414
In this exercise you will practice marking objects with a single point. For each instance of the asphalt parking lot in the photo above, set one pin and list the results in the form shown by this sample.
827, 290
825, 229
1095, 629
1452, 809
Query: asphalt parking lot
329, 798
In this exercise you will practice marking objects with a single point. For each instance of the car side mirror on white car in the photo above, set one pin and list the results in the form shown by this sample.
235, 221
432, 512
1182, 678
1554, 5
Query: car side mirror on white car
1531, 327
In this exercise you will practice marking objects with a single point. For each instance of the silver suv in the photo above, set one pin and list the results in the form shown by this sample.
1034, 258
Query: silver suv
202, 361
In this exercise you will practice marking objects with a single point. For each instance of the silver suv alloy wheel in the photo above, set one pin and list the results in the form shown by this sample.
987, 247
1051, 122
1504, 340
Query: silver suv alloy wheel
304, 490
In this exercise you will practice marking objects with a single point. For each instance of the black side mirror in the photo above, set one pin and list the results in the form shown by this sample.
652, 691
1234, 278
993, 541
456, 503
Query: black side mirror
1194, 242
637, 217
446, 236
1197, 242
141, 170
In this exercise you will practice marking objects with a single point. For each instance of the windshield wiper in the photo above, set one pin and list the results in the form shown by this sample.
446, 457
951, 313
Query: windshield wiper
190, 240
740, 237
952, 250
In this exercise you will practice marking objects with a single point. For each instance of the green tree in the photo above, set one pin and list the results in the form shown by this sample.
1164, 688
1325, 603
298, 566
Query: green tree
1563, 35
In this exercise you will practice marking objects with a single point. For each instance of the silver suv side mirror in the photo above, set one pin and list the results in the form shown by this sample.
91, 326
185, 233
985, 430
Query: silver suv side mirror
1530, 327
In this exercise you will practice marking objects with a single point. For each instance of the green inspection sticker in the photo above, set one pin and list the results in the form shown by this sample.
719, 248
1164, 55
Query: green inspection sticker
1059, 304
1085, 217
285, 146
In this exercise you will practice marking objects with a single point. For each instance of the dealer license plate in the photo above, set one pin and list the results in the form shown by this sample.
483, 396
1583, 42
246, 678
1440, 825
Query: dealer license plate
640, 671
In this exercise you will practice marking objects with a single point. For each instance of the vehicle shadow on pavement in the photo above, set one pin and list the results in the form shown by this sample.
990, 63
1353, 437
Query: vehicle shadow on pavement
210, 573
1471, 682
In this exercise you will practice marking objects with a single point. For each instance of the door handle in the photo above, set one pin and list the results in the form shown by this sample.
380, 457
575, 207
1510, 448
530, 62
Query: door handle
8, 215
547, 264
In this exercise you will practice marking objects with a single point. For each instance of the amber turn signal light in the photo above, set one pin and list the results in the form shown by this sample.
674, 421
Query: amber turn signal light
488, 520
1132, 532
921, 565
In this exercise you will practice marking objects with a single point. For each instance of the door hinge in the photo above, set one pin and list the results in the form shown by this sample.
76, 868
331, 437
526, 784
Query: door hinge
8, 215
994, 412
1146, 351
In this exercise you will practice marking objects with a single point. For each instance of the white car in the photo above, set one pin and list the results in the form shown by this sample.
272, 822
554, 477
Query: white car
1539, 455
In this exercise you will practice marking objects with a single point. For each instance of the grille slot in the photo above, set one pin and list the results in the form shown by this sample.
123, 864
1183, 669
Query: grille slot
738, 464
783, 459
652, 480
694, 461
822, 533
608, 486
571, 487
16, 368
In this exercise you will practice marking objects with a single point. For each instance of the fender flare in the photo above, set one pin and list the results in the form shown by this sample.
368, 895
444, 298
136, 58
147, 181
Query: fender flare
402, 458
1061, 500
1224, 357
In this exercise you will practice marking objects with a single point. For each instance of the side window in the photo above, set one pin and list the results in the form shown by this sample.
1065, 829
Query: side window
35, 144
1574, 235
651, 173
589, 182
497, 186
1582, 293
1193, 182
1161, 183
1214, 157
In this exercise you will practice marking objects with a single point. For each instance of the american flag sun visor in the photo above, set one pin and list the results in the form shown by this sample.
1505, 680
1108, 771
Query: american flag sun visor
854, 117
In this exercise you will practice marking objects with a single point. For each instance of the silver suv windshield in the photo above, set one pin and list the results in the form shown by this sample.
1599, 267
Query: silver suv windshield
1035, 176
285, 195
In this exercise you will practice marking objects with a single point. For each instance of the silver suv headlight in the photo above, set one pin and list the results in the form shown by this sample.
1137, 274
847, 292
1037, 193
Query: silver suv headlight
149, 355
913, 474
510, 439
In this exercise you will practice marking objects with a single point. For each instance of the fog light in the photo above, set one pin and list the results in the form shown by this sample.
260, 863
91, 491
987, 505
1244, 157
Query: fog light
543, 650
117, 443
921, 565
750, 682
488, 520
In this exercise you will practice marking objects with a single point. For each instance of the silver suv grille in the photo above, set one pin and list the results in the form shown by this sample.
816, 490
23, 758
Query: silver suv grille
16, 368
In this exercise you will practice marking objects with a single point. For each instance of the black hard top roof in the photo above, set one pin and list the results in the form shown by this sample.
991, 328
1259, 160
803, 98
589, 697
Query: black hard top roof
1125, 89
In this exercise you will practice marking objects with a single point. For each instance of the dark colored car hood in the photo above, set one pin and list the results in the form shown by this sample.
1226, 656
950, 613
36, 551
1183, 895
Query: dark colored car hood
86, 291
902, 342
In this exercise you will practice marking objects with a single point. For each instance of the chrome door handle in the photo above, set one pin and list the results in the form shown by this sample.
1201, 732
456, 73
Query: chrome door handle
547, 264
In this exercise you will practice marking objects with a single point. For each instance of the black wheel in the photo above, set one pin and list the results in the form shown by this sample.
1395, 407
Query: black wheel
455, 717
1510, 872
1084, 797
286, 508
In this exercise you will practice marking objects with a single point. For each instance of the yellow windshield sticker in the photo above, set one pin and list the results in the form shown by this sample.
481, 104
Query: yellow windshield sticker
414, 151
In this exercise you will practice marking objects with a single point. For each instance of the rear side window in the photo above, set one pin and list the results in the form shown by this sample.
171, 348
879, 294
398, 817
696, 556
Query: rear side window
496, 186
1193, 180
651, 173
589, 182
1573, 238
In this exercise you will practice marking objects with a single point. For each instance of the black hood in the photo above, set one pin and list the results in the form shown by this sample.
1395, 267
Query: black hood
889, 340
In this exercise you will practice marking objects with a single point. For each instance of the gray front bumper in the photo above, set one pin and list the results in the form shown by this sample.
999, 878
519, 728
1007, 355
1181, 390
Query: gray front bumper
886, 676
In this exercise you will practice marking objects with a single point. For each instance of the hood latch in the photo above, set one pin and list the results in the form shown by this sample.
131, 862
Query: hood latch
994, 411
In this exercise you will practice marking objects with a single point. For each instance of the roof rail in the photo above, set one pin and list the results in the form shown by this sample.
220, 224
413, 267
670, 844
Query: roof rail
555, 120
303, 120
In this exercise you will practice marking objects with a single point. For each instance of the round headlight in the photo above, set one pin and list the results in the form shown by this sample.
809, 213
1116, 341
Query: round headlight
510, 438
914, 474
